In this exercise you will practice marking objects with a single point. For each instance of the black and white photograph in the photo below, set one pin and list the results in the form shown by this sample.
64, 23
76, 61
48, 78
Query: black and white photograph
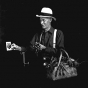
43, 44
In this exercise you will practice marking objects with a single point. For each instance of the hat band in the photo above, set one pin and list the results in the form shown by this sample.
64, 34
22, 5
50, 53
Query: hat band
46, 14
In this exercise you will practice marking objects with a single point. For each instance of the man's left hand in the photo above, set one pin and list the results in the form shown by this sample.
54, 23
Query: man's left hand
42, 47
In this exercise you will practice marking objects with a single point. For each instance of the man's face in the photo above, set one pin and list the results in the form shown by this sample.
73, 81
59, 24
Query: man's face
45, 22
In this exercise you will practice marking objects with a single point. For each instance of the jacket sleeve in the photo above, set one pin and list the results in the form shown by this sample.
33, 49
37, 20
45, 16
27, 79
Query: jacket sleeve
60, 42
32, 42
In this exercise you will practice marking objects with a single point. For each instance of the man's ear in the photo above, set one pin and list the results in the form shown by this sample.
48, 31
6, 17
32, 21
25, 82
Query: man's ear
50, 19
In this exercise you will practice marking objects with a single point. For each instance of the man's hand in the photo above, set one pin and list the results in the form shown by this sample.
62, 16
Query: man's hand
15, 47
42, 46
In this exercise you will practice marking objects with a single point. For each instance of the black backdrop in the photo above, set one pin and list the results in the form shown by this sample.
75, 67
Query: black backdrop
19, 22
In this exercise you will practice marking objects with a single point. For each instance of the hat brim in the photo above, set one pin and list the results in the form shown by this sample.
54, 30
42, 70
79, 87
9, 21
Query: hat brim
46, 16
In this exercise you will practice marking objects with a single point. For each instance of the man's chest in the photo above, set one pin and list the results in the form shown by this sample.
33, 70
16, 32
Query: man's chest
47, 39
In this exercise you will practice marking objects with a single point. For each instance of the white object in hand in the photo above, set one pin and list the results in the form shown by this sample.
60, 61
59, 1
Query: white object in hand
13, 46
8, 46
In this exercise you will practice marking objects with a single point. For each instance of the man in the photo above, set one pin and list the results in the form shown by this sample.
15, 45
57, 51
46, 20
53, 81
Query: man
43, 44
45, 39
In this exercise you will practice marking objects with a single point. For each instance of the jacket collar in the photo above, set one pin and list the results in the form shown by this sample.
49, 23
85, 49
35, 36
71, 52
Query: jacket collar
51, 30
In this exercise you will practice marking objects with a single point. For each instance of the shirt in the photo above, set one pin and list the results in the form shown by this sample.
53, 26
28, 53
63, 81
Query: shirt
47, 40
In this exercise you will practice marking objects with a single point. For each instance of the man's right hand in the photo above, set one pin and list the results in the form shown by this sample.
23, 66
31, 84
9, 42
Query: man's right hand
15, 47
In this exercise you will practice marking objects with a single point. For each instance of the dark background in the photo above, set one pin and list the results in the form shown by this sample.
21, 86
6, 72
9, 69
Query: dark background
19, 24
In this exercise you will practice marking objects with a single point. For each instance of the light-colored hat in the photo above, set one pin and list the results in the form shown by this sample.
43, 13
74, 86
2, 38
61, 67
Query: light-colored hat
46, 12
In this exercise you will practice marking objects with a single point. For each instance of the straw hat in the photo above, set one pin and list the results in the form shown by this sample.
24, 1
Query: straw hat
46, 12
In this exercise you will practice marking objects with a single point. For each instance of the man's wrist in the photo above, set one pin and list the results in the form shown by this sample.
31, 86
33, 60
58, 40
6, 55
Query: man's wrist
19, 48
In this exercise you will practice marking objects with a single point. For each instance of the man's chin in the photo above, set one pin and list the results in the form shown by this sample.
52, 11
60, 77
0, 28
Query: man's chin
43, 27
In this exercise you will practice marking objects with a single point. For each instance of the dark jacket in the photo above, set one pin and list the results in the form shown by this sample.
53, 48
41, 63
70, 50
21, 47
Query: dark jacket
47, 40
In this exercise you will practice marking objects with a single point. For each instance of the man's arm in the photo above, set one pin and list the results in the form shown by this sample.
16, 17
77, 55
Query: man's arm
60, 40
32, 43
